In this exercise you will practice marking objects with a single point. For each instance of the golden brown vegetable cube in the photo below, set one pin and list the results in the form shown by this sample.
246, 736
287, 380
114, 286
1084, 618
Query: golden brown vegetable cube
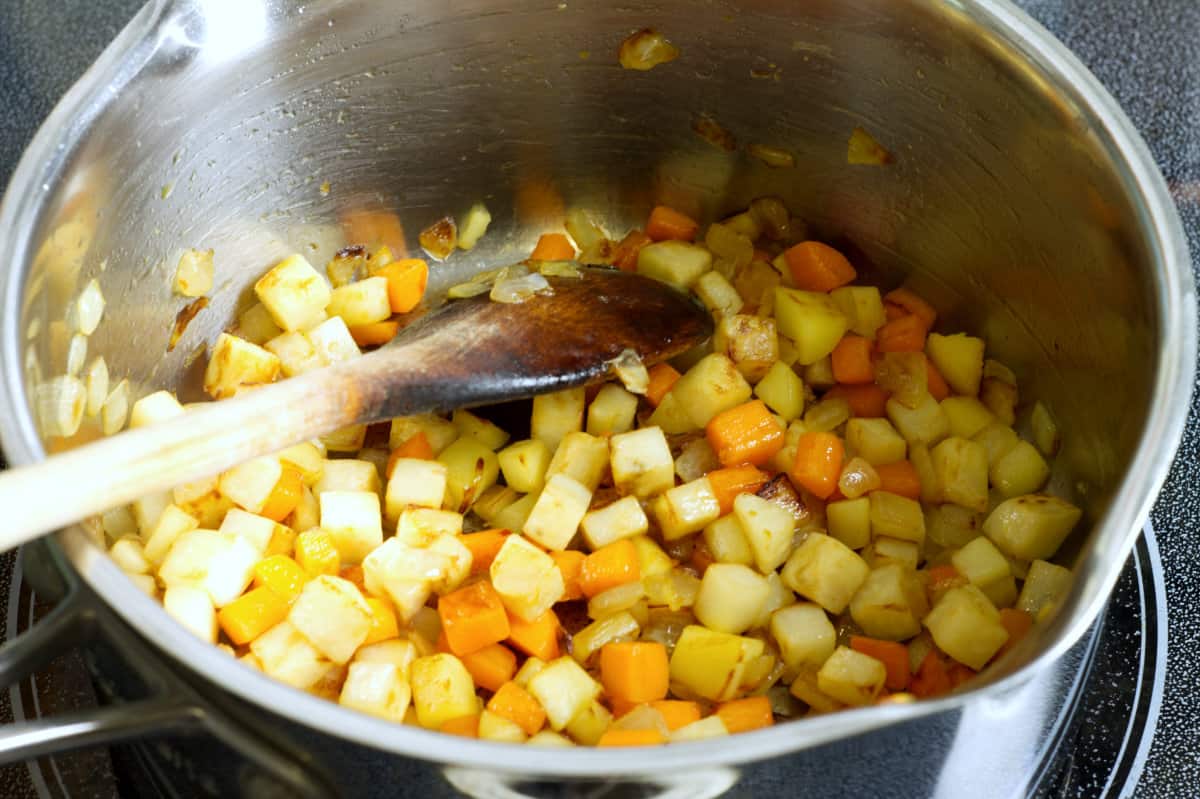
812, 321
966, 626
332, 614
555, 415
236, 363
959, 358
710, 664
804, 634
294, 294
895, 516
442, 689
641, 462
750, 342
526, 578
564, 690
826, 571
718, 295
851, 677
1031, 527
952, 526
962, 473
891, 603
713, 385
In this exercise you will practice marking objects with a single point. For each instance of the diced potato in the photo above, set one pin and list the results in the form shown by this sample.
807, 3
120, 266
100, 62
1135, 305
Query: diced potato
393, 652
966, 626
986, 567
287, 656
718, 295
922, 461
172, 523
194, 273
711, 386
782, 390
154, 408
804, 688
926, 423
997, 440
257, 530
1045, 430
827, 415
513, 516
582, 457
896, 517
415, 483
332, 614
891, 603
250, 484
555, 415
710, 664
727, 542
256, 325
904, 376
403, 574
188, 560
826, 571
750, 342
471, 469
768, 528
438, 431
557, 513
812, 321
307, 458
474, 224
470, 425
622, 519
346, 474
612, 411
778, 596
333, 342
420, 526
731, 597
672, 416
1045, 586
295, 352
849, 521
1000, 397
564, 690
529, 668
819, 374
651, 558
615, 628
294, 294
863, 308
695, 460
678, 263
361, 303
805, 635
380, 689
962, 473
967, 416
442, 689
686, 509
192, 607
494, 727
875, 441
589, 724
884, 550
348, 439
641, 462
148, 509
1031, 527
851, 677
353, 519
1021, 471
960, 360
524, 465
526, 578
952, 526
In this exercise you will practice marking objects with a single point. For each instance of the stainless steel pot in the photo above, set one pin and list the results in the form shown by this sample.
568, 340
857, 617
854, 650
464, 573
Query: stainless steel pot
1020, 199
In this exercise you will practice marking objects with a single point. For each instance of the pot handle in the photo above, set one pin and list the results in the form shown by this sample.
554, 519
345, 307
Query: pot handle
699, 784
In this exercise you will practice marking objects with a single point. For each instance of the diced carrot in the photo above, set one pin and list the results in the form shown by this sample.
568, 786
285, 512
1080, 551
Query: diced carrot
464, 726
252, 614
701, 557
667, 223
281, 574
443, 645
931, 678
892, 311
626, 255
1018, 623
515, 704
761, 255
569, 562
383, 621
316, 553
893, 656
620, 707
818, 267
635, 671
914, 304
938, 387
553, 247
374, 334
647, 737
285, 496
743, 715
537, 638
676, 712
906, 334
484, 547
416, 446
609, 566
473, 617
727, 483
943, 573
899, 478
354, 573
867, 400
662, 379
491, 666
852, 360
375, 228
959, 674
818, 463
746, 433
406, 279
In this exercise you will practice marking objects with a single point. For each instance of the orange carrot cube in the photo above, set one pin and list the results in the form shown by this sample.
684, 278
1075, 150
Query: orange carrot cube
747, 433
634, 671
472, 618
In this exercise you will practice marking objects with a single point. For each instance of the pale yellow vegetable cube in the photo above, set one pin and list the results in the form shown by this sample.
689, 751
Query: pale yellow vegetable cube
256, 325
896, 517
192, 607
1045, 430
819, 374
890, 603
962, 473
686, 509
672, 416
332, 614
960, 360
851, 677
1000, 398
1031, 527
611, 629
922, 461
805, 635
952, 526
415, 483
250, 484
750, 342
419, 527
471, 469
442, 689
286, 655
512, 517
804, 688
148, 510
590, 723
194, 273
352, 519
380, 689
555, 415
811, 320
863, 308
347, 474
678, 263
925, 424
526, 578
549, 738
718, 295
622, 519
782, 390
403, 574
875, 441
470, 425
826, 571
768, 528
118, 522
172, 523
524, 465
696, 459
707, 727
849, 521
731, 597
557, 513
641, 462
307, 513
966, 626
395, 652
439, 432
980, 562
997, 440
1045, 586
651, 558
673, 589
130, 556
617, 599
582, 457
308, 458
1021, 471
474, 224
361, 303
348, 439
333, 342
884, 550
189, 557
564, 690
967, 416
529, 668
612, 411
294, 294
711, 664
295, 352
154, 408
713, 385
494, 727
727, 542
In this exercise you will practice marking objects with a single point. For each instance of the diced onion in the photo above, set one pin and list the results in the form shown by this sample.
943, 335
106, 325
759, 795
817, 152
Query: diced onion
771, 156
559, 269
645, 50
89, 308
464, 290
76, 354
440, 238
630, 370
519, 289
864, 150
61, 403
194, 274
97, 385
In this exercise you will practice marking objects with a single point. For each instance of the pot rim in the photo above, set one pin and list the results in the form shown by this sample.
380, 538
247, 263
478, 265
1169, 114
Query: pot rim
1114, 535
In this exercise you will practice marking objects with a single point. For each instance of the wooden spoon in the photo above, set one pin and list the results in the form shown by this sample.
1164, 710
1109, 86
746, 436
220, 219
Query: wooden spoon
468, 352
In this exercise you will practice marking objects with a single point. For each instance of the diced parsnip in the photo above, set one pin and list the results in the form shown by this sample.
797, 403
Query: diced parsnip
966, 626
875, 441
711, 386
555, 415
718, 295
403, 574
526, 578
471, 469
812, 321
672, 416
257, 530
415, 483
804, 688
967, 416
884, 550
804, 634
439, 432
1021, 471
997, 440
620, 626
622, 519
891, 603
474, 224
347, 474
96, 379
420, 526
1031, 527
332, 614
686, 509
470, 425
192, 607
1045, 430
1045, 586
696, 459
1000, 398
863, 308
826, 571
768, 528
394, 652
524, 465
710, 664
250, 484
189, 557
287, 656
962, 473
172, 523
678, 263
750, 342
926, 423
849, 521
641, 462
558, 511
582, 457
442, 689
333, 342
960, 360
295, 352
922, 461
352, 518
896, 517
380, 689
361, 303
564, 690
513, 516
148, 509
986, 567
903, 375
494, 727
194, 273
952, 526
590, 723
118, 522
778, 596
154, 408
731, 597
308, 459
851, 677
256, 325
708, 727
348, 439
294, 294
612, 411
727, 542
782, 390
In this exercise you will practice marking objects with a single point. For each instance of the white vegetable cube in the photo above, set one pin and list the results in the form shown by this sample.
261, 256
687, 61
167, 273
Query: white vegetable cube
154, 408
564, 689
686, 509
621, 519
149, 509
890, 603
230, 570
926, 424
256, 530
612, 411
118, 522
295, 352
849, 521
332, 614
782, 390
851, 677
189, 557
751, 342
442, 689
194, 273
718, 294
710, 664
172, 523
580, 456
61, 402
307, 513
130, 556
404, 574
826, 571
713, 385
895, 516
960, 360
415, 484
862, 307
192, 607
731, 597
641, 462
1022, 471
361, 303
557, 513
333, 342
813, 322
1044, 587
768, 527
679, 263
962, 472
494, 727
380, 689
967, 416
353, 520
555, 415
393, 652
1031, 527
287, 656
235, 363
526, 578
294, 294
250, 484
884, 550
439, 432
966, 626
804, 634
419, 527
727, 543
457, 559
